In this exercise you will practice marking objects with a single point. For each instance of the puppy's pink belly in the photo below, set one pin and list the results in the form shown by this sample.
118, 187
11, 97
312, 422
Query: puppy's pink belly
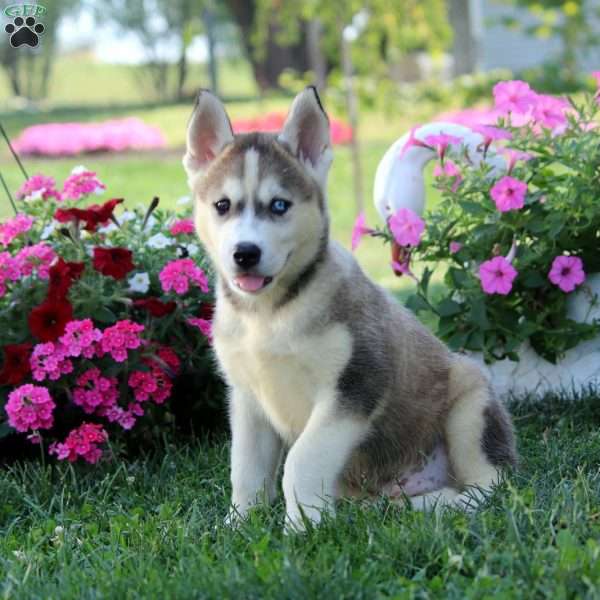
432, 476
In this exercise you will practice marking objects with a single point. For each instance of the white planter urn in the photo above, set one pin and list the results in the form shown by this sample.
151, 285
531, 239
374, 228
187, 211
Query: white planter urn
399, 183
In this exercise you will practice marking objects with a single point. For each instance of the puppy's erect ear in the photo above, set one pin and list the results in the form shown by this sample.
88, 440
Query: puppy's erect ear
306, 132
209, 131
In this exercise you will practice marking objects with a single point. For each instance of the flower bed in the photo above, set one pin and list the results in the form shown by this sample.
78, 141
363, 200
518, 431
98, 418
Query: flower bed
101, 315
70, 139
341, 133
516, 232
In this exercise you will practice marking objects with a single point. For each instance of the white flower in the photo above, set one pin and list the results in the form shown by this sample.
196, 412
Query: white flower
37, 195
183, 200
140, 282
192, 248
78, 169
127, 215
151, 222
108, 228
159, 241
48, 230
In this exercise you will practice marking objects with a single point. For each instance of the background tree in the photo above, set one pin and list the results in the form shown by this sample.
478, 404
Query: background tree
29, 69
156, 22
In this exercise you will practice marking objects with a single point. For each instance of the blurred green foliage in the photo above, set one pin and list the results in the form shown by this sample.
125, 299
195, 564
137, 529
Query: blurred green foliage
576, 23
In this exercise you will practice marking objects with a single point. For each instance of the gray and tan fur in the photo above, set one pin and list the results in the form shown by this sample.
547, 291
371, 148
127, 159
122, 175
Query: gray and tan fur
321, 362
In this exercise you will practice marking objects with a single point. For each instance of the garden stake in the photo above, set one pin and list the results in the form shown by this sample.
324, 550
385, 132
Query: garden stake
10, 198
14, 153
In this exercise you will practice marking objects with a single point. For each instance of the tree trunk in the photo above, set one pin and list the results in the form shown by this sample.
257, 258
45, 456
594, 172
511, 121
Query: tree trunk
276, 57
208, 19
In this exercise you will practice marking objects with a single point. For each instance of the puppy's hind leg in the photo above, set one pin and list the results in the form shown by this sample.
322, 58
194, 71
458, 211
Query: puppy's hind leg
479, 438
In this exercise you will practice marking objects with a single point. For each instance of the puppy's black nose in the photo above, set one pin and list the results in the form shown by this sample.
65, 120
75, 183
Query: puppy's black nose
246, 255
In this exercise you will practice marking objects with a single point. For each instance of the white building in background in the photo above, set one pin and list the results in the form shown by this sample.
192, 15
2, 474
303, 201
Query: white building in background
481, 42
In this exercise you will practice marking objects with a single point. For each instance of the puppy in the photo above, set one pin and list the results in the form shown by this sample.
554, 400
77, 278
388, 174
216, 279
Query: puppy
322, 364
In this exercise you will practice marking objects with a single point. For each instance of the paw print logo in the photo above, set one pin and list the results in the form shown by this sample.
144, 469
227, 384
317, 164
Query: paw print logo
24, 32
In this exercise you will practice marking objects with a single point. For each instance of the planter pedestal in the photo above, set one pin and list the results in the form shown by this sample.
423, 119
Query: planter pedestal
578, 370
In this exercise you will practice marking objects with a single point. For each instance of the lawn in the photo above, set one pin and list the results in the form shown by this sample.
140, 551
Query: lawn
153, 528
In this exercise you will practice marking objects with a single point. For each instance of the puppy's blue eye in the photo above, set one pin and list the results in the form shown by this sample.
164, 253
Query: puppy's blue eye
223, 206
279, 206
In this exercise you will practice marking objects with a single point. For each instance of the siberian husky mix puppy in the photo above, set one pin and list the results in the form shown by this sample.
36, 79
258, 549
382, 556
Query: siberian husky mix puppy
320, 361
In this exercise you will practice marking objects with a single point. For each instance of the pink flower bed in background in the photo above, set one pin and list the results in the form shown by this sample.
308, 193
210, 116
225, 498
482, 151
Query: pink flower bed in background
341, 133
69, 139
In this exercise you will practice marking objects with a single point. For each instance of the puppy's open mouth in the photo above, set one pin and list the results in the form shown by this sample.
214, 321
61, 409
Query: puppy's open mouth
251, 283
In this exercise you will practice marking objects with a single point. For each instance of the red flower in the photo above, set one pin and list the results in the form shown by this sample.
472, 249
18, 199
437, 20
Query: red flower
16, 364
114, 262
48, 320
62, 276
206, 311
155, 307
93, 215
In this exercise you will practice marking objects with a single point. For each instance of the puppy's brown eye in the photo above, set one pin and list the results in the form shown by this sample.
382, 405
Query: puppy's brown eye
223, 206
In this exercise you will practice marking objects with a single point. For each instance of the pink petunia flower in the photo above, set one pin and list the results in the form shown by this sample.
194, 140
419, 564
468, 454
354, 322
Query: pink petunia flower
491, 134
80, 338
14, 227
30, 407
39, 186
455, 247
81, 183
451, 171
178, 274
359, 230
81, 442
411, 141
497, 276
549, 111
185, 226
567, 272
406, 227
49, 361
509, 194
121, 337
440, 143
514, 97
512, 156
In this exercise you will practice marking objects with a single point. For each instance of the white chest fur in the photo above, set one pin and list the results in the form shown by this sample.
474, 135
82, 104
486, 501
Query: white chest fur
287, 373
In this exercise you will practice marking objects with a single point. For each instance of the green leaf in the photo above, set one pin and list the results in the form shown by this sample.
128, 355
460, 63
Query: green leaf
105, 315
532, 279
472, 208
448, 308
478, 314
5, 429
416, 302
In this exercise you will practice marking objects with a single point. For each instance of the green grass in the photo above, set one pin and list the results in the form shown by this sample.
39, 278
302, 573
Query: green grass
152, 528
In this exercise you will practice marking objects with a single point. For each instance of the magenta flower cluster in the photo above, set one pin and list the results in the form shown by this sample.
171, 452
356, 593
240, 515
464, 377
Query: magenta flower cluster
30, 408
30, 260
179, 274
13, 228
69, 139
82, 442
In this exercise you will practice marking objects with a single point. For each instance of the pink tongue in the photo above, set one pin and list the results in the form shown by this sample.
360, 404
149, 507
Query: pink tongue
250, 283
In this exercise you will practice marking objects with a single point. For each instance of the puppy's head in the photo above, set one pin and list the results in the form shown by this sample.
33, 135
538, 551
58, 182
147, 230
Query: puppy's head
259, 199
